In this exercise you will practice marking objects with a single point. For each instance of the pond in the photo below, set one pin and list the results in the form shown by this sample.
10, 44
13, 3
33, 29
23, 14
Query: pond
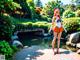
28, 40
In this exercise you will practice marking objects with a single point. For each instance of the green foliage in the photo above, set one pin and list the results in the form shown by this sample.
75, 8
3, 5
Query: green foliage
78, 7
6, 27
25, 8
77, 13
32, 7
68, 13
44, 18
72, 24
8, 5
34, 10
15, 49
5, 49
19, 8
49, 8
31, 26
72, 7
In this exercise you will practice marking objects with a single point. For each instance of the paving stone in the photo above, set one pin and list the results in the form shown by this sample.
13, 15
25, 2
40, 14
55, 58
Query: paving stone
40, 53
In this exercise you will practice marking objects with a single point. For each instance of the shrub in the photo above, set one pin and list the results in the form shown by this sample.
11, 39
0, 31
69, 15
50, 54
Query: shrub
78, 13
35, 26
71, 24
68, 14
5, 49
6, 27
30, 25
44, 18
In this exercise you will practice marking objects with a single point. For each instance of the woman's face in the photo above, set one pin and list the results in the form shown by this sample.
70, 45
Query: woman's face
57, 12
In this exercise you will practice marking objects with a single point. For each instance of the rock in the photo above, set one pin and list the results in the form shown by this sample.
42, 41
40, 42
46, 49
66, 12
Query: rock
14, 37
25, 46
78, 52
46, 34
67, 37
71, 44
78, 45
17, 44
73, 38
68, 43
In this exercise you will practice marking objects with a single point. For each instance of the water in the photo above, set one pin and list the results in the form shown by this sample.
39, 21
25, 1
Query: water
38, 41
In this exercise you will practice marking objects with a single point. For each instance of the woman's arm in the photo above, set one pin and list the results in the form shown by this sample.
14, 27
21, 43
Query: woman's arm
53, 21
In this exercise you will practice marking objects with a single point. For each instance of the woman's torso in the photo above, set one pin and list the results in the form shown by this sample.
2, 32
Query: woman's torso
56, 22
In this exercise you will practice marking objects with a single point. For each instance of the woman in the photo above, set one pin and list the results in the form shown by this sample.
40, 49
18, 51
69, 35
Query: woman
57, 29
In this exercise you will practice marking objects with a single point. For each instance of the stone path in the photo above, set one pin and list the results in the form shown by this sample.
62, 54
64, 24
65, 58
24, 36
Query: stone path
39, 53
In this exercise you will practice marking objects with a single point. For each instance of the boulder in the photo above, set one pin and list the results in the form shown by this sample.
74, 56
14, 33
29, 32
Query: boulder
71, 44
25, 47
14, 37
78, 45
73, 38
17, 44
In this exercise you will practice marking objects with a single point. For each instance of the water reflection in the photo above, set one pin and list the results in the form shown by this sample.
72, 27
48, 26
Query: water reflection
37, 40
43, 41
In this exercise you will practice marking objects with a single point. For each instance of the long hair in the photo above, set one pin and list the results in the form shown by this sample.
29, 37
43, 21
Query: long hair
55, 12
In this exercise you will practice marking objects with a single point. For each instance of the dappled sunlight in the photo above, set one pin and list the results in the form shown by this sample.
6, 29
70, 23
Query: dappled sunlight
27, 29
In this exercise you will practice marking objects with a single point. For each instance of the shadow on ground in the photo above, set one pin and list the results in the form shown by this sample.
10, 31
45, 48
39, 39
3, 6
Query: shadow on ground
65, 52
28, 53
40, 53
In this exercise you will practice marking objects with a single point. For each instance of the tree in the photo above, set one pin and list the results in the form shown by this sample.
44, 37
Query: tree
6, 27
8, 6
5, 4
25, 8
35, 10
49, 7
32, 7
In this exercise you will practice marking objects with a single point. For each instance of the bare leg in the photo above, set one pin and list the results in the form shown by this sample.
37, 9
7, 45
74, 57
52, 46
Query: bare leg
59, 36
54, 39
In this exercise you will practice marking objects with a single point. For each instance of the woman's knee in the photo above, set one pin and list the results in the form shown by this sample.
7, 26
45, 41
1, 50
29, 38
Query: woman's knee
59, 36
55, 38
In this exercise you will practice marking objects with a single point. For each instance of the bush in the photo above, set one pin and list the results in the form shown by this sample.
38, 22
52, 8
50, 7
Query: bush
6, 27
5, 49
77, 13
71, 24
68, 14
31, 26
44, 18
